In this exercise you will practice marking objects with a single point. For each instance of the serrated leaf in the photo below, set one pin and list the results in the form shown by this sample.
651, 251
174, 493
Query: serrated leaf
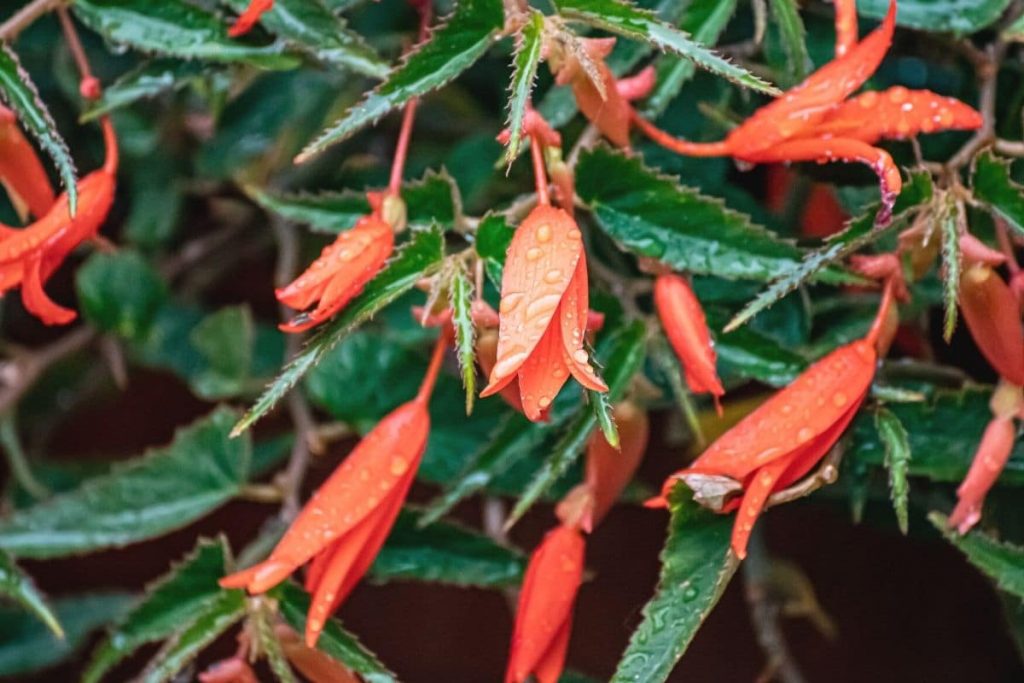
311, 26
524, 73
177, 29
334, 640
493, 237
461, 298
993, 186
858, 233
949, 232
19, 587
149, 79
445, 553
748, 354
120, 292
602, 407
961, 17
696, 566
262, 622
174, 602
417, 259
637, 24
432, 199
897, 459
1001, 562
20, 94
791, 29
450, 50
26, 645
166, 489
622, 358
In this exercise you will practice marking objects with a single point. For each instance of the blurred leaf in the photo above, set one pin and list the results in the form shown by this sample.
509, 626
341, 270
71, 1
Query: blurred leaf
897, 459
26, 645
993, 186
225, 340
420, 257
149, 79
119, 292
461, 295
949, 233
19, 587
748, 354
445, 553
493, 237
791, 29
21, 95
961, 17
334, 641
166, 489
156, 207
696, 566
174, 602
1015, 31
175, 28
261, 623
1001, 562
527, 58
451, 49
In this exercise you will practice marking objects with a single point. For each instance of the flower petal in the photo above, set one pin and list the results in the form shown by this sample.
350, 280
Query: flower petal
992, 315
897, 113
682, 318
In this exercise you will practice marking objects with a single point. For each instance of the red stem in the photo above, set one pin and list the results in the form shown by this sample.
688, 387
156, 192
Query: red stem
409, 117
430, 378
674, 144
883, 312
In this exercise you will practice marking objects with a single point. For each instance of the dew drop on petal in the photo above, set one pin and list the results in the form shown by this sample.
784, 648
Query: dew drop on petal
534, 253
544, 233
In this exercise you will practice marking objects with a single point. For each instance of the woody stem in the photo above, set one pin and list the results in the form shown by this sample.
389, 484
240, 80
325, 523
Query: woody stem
430, 378
540, 175
25, 17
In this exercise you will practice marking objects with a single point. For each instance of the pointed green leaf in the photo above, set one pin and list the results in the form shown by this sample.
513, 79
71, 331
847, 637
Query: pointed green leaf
961, 17
1001, 562
748, 354
21, 95
602, 407
166, 489
420, 257
786, 14
177, 29
897, 459
262, 621
637, 24
949, 233
18, 586
993, 186
451, 49
149, 79
524, 73
461, 296
696, 566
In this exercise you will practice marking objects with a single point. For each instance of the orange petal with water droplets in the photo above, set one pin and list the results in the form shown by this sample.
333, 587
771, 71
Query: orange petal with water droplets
992, 315
544, 612
543, 375
846, 26
895, 114
486, 356
755, 496
993, 453
682, 318
250, 17
609, 470
574, 317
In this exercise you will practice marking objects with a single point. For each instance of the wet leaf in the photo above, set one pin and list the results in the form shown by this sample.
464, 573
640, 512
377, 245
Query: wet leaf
1001, 562
993, 186
18, 586
897, 459
961, 17
524, 73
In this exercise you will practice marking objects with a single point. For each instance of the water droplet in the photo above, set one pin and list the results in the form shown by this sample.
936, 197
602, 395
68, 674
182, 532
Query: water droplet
544, 402
840, 399
399, 466
553, 276
544, 233
509, 302
580, 356
575, 234
534, 253
804, 435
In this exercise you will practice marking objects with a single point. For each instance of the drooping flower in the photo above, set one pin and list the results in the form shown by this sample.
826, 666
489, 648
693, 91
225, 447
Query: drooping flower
343, 526
250, 17
543, 312
686, 328
21, 171
342, 270
28, 256
540, 638
992, 314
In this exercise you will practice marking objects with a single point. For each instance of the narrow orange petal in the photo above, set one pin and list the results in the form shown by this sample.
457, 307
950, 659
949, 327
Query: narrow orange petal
682, 318
552, 663
993, 452
897, 113
754, 497
250, 17
21, 170
611, 114
846, 26
36, 300
574, 316
992, 315
543, 375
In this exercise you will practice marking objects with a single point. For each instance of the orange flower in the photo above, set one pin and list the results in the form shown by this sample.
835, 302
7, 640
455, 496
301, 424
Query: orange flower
314, 665
248, 19
28, 256
543, 312
540, 638
686, 328
341, 271
21, 171
992, 315
343, 526
233, 670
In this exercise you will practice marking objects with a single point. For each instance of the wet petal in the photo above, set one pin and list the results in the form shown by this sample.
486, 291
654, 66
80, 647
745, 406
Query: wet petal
992, 315
993, 453
897, 113
682, 318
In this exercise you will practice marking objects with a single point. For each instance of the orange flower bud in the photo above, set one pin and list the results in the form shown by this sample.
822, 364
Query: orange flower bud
686, 328
608, 470
993, 452
992, 315
603, 105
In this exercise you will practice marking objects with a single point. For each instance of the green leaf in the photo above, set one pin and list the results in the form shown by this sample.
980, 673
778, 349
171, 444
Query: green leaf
653, 216
696, 566
175, 601
417, 259
262, 620
637, 24
949, 220
120, 292
897, 458
493, 237
18, 586
149, 79
461, 296
26, 645
960, 17
602, 407
748, 354
157, 204
1015, 32
445, 553
166, 489
623, 358
858, 233
21, 95
705, 20
177, 29
791, 29
993, 186
1001, 562
527, 58
450, 50
225, 339
311, 26
432, 199
334, 641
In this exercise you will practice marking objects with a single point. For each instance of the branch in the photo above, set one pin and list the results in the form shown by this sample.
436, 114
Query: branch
19, 374
25, 17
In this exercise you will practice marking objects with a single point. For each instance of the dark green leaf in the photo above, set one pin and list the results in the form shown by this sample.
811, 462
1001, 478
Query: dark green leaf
175, 28
19, 587
225, 340
21, 95
636, 24
119, 292
149, 79
696, 566
493, 237
897, 458
1001, 562
993, 186
174, 602
166, 489
791, 29
420, 257
262, 622
961, 17
749, 354
451, 49
524, 73
335, 641
157, 205
461, 296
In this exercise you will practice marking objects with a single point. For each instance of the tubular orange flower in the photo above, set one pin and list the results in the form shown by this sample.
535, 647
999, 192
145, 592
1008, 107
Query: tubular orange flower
543, 312
249, 18
21, 171
686, 328
341, 271
313, 664
595, 89
540, 638
30, 255
992, 315
345, 523
785, 437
